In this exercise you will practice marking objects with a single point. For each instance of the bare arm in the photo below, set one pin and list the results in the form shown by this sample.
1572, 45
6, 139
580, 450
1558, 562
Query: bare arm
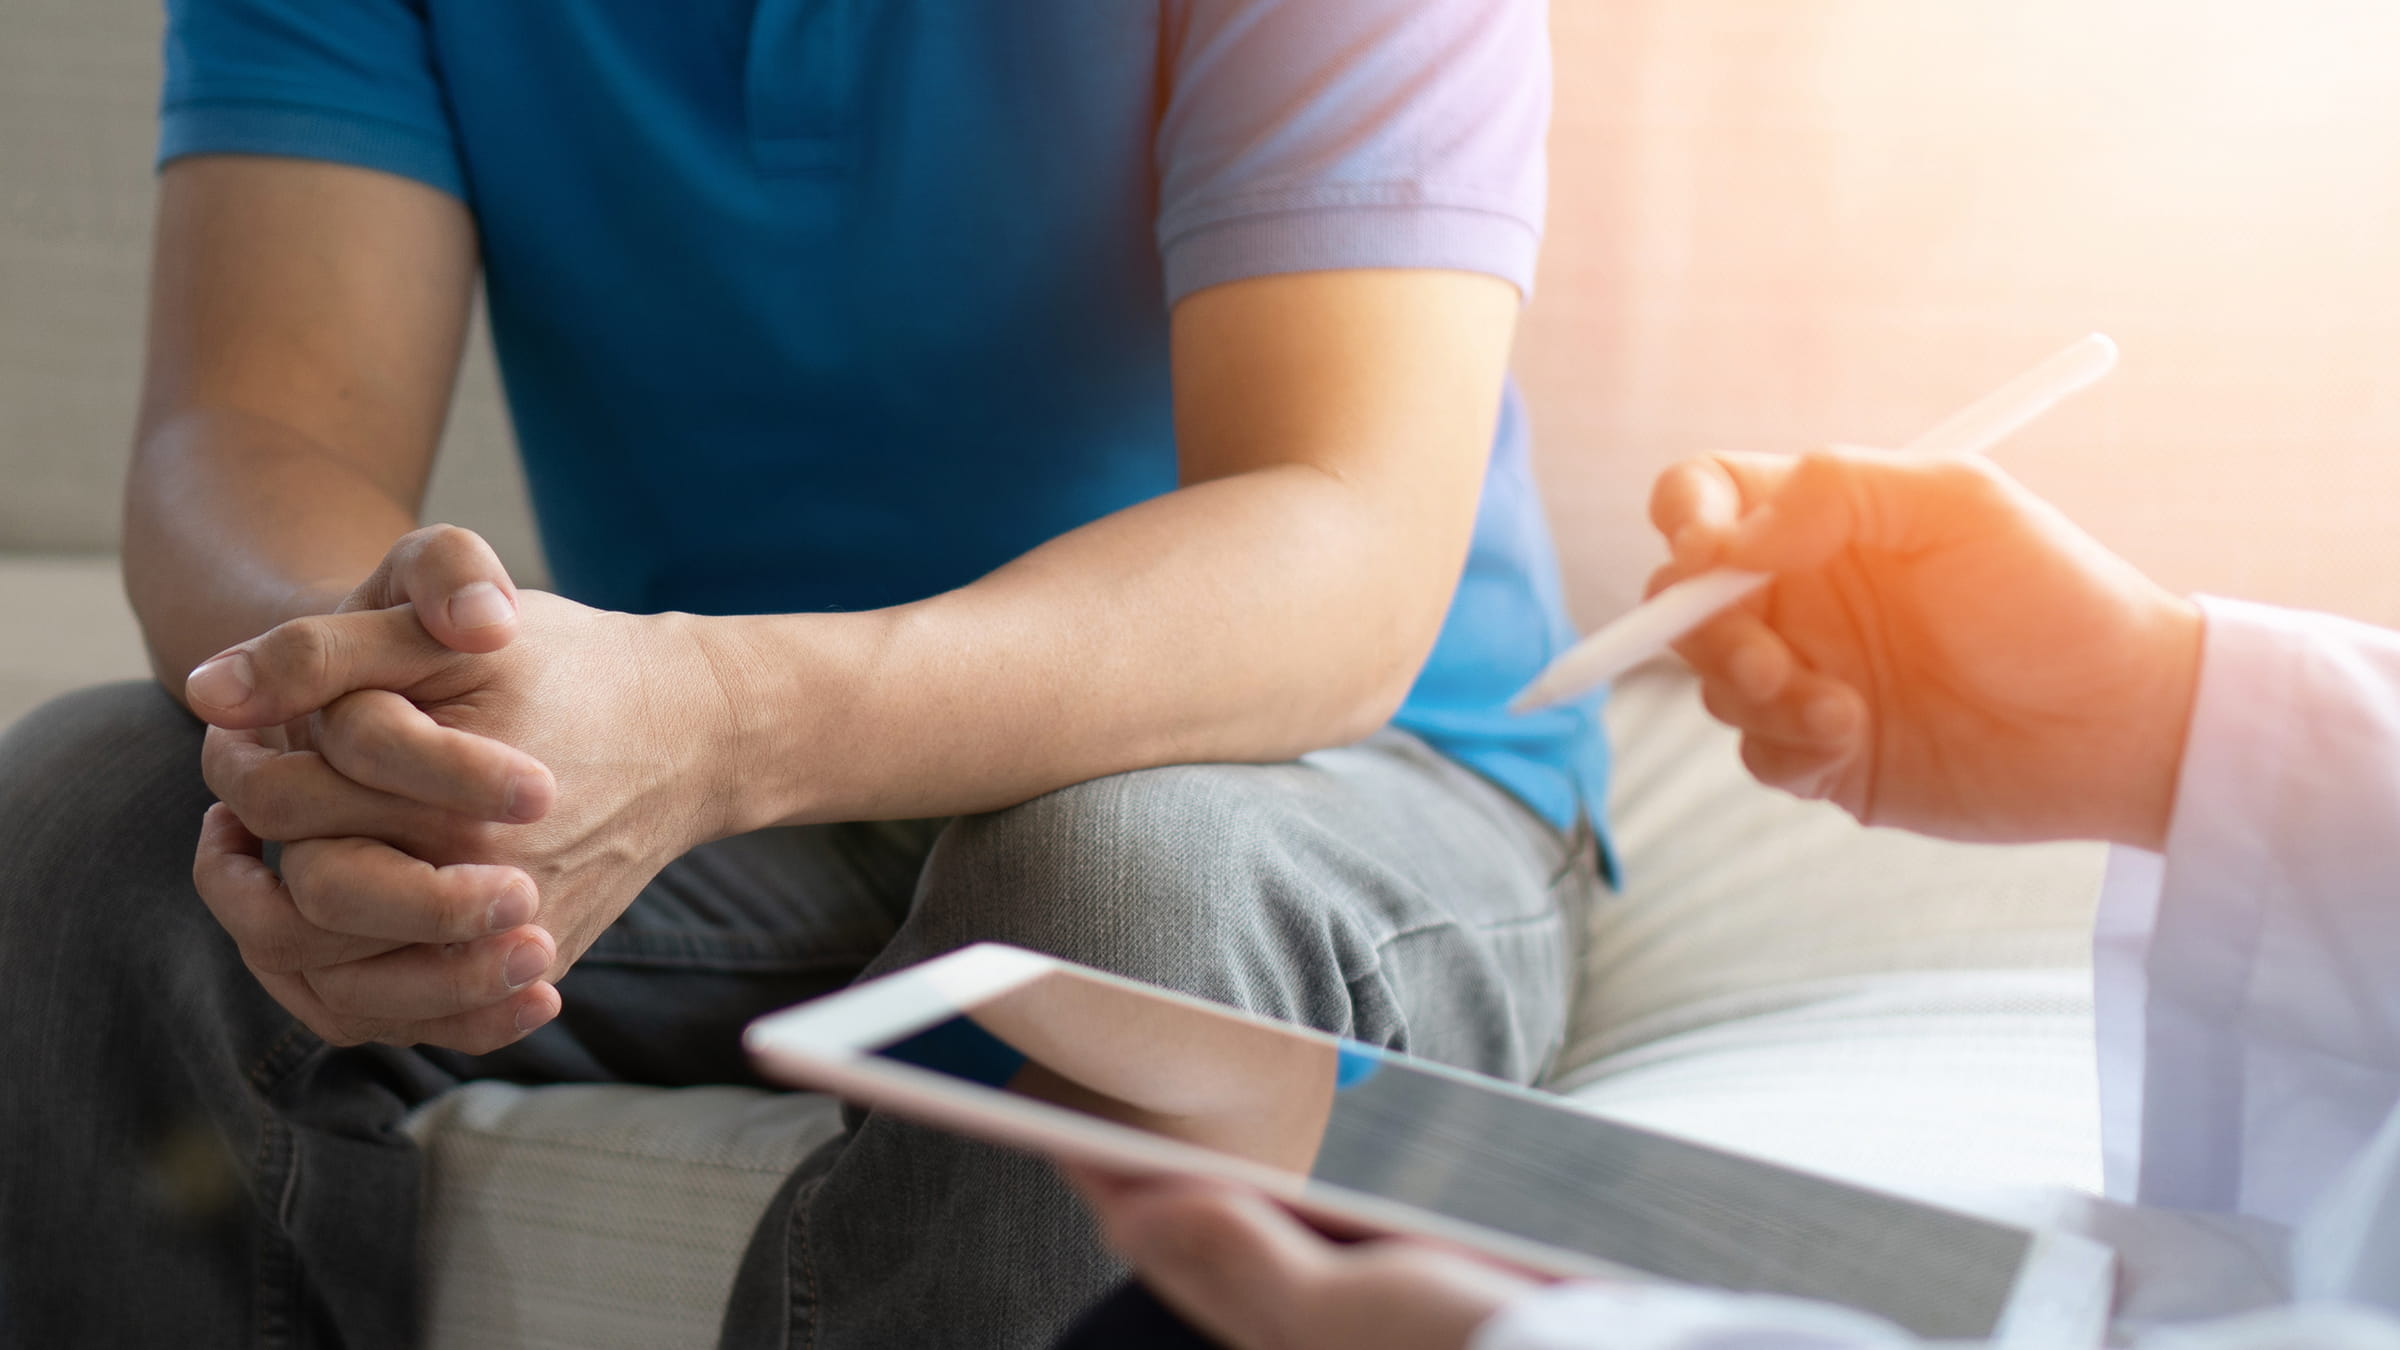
305, 327
1333, 428
1333, 431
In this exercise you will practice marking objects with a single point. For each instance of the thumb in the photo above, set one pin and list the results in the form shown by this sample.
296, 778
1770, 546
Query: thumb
296, 668
1231, 1260
460, 589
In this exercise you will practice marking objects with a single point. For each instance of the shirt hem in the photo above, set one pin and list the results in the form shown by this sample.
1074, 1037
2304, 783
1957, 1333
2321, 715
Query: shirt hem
1320, 239
257, 126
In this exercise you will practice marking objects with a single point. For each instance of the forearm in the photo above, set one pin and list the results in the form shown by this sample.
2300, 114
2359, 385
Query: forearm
1248, 618
233, 524
305, 325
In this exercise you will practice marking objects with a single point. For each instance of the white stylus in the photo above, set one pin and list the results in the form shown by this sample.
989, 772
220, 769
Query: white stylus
1648, 628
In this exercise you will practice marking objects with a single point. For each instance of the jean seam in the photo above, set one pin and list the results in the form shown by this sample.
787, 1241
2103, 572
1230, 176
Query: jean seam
808, 1268
272, 1287
260, 1072
804, 1258
277, 1306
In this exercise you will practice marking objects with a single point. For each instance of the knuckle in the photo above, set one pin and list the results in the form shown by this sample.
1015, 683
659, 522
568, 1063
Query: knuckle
267, 804
451, 548
345, 1031
317, 902
300, 651
461, 839
209, 877
366, 731
459, 911
220, 764
470, 983
1719, 700
271, 948
343, 999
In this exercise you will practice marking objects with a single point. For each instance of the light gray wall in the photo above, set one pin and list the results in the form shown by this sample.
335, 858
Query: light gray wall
78, 89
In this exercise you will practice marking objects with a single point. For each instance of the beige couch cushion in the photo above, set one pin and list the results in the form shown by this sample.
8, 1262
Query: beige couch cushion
63, 624
580, 1218
1739, 899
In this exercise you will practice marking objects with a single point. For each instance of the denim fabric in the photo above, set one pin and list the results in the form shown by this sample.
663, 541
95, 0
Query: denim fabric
181, 1163
1133, 1318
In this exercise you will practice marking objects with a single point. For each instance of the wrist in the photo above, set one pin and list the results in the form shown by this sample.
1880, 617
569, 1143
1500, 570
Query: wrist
788, 687
2159, 721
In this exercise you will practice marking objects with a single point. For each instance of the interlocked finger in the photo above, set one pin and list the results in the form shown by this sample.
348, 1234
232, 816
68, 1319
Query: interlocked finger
288, 795
382, 741
367, 887
424, 982
488, 1029
253, 904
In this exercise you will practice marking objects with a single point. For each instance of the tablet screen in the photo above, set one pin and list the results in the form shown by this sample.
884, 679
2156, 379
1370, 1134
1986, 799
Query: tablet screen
1352, 1116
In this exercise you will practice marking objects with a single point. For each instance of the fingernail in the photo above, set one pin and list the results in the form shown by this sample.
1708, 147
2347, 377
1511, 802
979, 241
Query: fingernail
223, 683
480, 605
514, 907
525, 964
525, 797
531, 1015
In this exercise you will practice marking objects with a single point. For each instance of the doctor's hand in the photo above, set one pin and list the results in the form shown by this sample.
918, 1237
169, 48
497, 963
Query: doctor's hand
1940, 650
1243, 1269
459, 827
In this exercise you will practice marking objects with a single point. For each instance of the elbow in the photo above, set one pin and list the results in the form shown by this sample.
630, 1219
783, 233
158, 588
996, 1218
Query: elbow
1377, 706
1378, 690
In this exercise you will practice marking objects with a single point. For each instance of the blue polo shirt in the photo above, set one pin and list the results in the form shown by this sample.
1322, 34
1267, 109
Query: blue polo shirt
837, 304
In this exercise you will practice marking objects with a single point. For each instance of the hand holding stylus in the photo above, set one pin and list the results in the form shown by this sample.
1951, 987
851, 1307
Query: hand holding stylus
1658, 621
1941, 650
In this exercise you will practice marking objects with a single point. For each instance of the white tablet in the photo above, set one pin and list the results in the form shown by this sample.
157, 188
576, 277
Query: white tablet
1041, 1054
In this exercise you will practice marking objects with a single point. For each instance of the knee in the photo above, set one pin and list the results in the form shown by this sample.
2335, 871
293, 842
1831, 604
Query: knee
95, 785
1197, 877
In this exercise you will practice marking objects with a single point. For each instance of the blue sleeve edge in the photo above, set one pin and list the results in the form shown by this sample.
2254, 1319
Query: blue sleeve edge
269, 127
1466, 239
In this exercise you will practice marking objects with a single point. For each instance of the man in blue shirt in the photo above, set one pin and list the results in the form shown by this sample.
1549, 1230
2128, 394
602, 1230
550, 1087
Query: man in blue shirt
1011, 472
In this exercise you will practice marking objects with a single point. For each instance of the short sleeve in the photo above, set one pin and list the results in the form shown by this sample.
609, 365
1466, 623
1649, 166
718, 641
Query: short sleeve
353, 82
1304, 135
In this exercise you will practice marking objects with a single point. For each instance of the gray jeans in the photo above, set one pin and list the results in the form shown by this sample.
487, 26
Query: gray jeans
182, 1163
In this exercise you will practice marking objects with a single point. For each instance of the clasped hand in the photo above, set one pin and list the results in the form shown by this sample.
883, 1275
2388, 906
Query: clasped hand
470, 783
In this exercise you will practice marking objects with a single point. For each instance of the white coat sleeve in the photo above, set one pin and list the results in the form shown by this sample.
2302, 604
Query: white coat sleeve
2248, 1003
1670, 1317
2249, 980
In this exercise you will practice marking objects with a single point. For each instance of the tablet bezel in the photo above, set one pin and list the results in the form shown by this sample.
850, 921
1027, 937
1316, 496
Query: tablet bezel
829, 1044
2060, 1296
